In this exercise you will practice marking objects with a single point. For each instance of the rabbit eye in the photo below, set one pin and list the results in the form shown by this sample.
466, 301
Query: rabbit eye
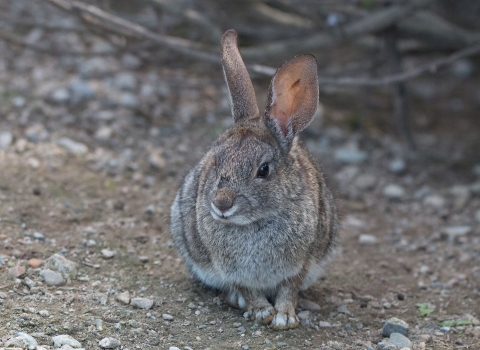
262, 172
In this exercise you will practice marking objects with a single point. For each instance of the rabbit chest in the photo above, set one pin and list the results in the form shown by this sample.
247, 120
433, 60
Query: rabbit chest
263, 253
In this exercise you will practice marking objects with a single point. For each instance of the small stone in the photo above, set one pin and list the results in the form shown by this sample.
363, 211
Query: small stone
28, 282
309, 305
130, 61
44, 313
237, 324
141, 303
95, 67
399, 340
59, 263
434, 201
35, 263
395, 325
52, 278
385, 345
80, 92
104, 133
16, 343
109, 343
397, 166
393, 191
167, 317
19, 101
124, 297
453, 233
366, 182
303, 315
324, 324
129, 100
445, 329
60, 96
125, 81
343, 310
366, 239
38, 236
72, 146
32, 343
17, 271
144, 259
477, 216
107, 253
173, 348
37, 133
6, 139
3, 295
65, 339
350, 155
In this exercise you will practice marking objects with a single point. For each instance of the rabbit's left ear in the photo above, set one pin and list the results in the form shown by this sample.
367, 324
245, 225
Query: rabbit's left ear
292, 98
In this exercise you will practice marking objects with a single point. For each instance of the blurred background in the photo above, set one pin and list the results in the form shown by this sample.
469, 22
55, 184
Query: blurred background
105, 105
139, 84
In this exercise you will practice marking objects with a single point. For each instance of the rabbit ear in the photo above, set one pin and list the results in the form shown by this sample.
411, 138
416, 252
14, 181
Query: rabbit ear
293, 97
242, 95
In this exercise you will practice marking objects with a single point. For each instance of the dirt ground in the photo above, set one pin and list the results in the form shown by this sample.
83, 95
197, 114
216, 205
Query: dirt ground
103, 202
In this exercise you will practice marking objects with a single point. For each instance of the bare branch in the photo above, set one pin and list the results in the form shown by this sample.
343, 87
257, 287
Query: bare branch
375, 22
191, 16
93, 15
15, 39
431, 67
380, 20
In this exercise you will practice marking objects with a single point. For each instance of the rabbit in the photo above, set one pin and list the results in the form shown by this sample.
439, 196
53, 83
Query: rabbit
254, 219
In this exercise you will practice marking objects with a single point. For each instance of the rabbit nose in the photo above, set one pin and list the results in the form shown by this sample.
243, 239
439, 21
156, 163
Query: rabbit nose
224, 199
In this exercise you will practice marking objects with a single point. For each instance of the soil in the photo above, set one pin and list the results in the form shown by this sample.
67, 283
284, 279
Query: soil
117, 194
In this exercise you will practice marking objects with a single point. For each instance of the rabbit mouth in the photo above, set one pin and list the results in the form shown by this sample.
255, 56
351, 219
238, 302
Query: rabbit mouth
228, 216
225, 215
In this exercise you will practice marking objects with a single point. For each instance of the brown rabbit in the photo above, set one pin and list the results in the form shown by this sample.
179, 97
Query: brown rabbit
254, 218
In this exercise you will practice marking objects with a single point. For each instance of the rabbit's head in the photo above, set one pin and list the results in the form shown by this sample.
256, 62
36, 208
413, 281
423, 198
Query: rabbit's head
251, 173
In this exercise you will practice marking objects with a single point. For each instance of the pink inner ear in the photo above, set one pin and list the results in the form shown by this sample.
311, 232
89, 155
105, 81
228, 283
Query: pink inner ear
295, 94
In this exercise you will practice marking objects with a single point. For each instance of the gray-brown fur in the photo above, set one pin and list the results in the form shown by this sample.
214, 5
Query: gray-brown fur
267, 237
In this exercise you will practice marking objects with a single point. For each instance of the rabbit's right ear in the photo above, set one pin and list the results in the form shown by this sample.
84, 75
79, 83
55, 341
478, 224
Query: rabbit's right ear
292, 98
242, 95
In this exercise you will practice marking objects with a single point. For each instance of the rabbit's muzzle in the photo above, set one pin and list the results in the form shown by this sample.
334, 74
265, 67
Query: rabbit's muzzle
223, 201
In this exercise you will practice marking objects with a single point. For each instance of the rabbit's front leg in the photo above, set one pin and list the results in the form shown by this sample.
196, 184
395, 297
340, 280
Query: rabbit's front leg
258, 307
285, 303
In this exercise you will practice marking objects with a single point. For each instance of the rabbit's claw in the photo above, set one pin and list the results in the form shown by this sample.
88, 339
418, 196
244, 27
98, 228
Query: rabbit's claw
284, 321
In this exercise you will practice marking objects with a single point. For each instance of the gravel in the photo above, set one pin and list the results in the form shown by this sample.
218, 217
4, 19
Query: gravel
32, 343
399, 340
395, 325
393, 191
308, 305
52, 278
67, 268
124, 297
6, 139
350, 156
65, 339
366, 239
107, 253
109, 343
74, 147
397, 166
141, 303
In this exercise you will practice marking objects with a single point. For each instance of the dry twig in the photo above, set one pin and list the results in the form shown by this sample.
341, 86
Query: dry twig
375, 22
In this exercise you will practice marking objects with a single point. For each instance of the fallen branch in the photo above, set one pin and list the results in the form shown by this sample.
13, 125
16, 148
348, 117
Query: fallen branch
430, 67
191, 16
18, 40
92, 14
196, 50
374, 22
